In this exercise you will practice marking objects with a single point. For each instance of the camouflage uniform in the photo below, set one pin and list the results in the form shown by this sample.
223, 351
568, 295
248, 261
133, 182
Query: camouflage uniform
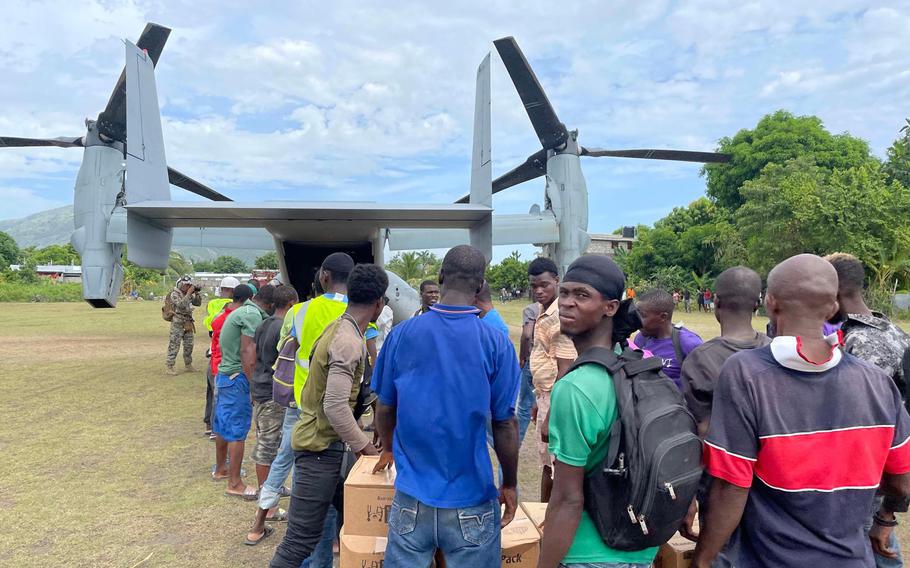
182, 326
876, 340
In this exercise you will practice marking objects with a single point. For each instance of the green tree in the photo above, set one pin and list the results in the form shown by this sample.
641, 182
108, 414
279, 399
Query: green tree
27, 273
226, 264
800, 207
407, 265
178, 266
134, 276
53, 254
268, 261
9, 251
897, 166
669, 278
777, 138
415, 266
203, 266
511, 274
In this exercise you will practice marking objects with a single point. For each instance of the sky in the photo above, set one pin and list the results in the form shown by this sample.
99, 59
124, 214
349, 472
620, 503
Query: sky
373, 101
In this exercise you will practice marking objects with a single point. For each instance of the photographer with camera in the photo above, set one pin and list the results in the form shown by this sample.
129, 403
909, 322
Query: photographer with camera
179, 305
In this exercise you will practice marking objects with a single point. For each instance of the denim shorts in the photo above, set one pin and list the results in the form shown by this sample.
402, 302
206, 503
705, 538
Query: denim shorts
233, 409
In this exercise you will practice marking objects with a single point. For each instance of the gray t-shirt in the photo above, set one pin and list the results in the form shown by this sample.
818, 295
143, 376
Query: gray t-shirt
266, 339
701, 370
530, 313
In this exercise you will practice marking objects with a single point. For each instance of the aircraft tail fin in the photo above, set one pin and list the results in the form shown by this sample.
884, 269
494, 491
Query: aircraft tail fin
149, 244
481, 162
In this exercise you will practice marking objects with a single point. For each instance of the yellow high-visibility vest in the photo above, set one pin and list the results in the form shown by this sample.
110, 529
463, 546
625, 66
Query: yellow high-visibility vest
213, 308
309, 321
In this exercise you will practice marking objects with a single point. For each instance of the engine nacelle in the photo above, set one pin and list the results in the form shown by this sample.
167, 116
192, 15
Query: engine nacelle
99, 182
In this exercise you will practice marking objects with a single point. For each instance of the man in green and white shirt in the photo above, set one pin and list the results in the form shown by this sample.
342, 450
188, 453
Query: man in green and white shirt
582, 411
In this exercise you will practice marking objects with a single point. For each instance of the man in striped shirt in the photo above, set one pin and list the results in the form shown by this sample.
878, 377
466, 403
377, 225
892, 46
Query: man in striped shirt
801, 436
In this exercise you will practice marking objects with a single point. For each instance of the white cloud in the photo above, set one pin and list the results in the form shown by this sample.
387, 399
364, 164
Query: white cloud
375, 101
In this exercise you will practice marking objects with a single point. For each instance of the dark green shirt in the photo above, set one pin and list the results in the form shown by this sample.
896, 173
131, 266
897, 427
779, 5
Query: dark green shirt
242, 321
338, 355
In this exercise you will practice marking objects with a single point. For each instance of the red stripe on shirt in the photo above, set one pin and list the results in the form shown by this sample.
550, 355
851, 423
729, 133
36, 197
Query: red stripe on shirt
825, 461
728, 466
898, 461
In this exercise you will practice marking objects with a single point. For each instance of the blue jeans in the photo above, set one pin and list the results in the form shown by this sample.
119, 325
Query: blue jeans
281, 465
322, 557
468, 536
893, 544
525, 402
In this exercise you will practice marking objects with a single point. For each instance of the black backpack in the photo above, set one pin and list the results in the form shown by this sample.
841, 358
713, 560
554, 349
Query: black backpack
641, 492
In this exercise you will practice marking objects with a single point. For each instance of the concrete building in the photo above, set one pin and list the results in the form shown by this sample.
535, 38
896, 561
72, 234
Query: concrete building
609, 244
57, 272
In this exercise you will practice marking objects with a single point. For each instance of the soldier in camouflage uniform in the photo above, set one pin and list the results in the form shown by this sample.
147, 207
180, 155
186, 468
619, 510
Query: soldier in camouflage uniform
184, 296
871, 337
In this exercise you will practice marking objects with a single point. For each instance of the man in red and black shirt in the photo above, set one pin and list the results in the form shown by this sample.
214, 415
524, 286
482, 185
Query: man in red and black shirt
801, 436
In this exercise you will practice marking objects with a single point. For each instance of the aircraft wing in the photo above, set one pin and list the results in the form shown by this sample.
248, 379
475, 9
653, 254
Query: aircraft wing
311, 220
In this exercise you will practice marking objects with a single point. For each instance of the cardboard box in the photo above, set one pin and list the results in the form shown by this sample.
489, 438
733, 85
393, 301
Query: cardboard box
368, 499
536, 512
520, 542
676, 553
362, 551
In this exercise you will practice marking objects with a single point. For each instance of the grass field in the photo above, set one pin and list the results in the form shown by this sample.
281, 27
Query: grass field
103, 458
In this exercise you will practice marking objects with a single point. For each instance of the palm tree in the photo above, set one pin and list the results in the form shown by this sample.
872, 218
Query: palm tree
407, 265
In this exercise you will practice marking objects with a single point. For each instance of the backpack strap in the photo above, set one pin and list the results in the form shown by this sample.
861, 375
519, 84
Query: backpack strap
677, 346
633, 368
602, 356
616, 366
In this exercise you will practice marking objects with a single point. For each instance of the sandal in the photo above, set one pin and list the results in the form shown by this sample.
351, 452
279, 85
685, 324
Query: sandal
281, 516
284, 492
266, 533
250, 493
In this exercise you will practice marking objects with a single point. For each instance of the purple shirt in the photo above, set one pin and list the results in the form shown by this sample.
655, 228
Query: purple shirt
663, 348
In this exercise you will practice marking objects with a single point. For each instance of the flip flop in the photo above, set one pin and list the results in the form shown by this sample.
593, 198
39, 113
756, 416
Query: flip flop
266, 533
284, 492
219, 478
280, 517
227, 464
246, 495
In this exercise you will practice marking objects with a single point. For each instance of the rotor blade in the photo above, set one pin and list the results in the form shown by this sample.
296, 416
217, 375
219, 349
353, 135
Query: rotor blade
112, 120
62, 142
532, 168
551, 133
193, 186
677, 155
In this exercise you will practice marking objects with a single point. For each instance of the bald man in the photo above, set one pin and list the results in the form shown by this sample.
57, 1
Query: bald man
737, 293
801, 435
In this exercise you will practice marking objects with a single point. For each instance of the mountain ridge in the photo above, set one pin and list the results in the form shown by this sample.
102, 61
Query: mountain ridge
54, 226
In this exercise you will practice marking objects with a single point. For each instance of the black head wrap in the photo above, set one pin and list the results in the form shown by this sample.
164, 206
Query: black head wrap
599, 272
605, 276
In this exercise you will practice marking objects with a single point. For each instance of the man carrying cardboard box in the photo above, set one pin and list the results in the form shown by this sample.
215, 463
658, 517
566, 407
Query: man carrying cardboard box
583, 409
439, 377
327, 423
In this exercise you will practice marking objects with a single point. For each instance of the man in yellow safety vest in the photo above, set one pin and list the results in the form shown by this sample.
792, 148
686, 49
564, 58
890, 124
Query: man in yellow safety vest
305, 322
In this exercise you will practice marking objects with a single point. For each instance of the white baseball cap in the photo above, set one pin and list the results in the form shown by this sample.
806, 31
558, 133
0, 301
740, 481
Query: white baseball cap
229, 282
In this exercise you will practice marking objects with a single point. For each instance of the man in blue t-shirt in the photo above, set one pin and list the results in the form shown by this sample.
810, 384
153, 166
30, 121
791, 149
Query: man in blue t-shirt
484, 302
439, 377
658, 334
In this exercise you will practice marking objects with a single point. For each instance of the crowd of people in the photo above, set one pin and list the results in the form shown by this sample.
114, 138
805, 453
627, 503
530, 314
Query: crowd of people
804, 429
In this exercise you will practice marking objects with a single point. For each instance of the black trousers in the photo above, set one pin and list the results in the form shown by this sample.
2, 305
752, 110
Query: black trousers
209, 396
317, 484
